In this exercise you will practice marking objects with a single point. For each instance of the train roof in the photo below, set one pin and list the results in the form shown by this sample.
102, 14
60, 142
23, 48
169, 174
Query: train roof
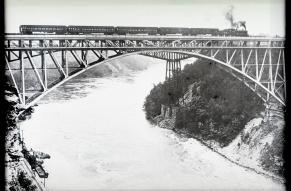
42, 26
204, 28
135, 27
90, 26
173, 27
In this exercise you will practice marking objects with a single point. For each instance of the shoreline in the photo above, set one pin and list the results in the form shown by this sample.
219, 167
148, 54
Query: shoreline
266, 174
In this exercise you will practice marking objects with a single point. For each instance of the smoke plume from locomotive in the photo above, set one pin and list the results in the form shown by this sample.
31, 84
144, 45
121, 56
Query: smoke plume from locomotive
229, 16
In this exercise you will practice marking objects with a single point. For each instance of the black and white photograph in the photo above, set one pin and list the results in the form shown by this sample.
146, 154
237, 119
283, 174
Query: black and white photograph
145, 95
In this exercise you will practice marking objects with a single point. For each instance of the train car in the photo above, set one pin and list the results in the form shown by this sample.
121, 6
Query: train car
73, 29
173, 30
233, 32
136, 30
203, 31
36, 29
241, 33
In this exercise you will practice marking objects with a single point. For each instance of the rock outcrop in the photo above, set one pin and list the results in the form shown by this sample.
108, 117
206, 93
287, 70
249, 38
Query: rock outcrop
167, 117
17, 176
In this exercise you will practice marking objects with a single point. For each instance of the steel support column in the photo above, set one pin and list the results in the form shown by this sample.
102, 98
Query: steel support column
9, 52
22, 72
64, 59
43, 65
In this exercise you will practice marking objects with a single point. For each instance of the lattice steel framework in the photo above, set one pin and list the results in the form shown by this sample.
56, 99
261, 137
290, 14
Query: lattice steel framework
257, 61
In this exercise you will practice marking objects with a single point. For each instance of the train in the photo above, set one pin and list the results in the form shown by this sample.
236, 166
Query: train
123, 30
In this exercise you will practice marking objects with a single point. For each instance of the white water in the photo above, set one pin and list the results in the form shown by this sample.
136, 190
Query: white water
103, 141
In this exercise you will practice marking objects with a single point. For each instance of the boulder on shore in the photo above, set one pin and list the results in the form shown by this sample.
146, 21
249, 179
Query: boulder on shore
41, 155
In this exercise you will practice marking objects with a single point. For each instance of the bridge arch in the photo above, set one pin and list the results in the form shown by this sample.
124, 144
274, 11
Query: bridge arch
224, 64
190, 54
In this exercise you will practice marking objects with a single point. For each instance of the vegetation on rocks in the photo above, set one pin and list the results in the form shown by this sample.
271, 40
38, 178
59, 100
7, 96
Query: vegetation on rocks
25, 182
272, 154
210, 104
219, 105
16, 178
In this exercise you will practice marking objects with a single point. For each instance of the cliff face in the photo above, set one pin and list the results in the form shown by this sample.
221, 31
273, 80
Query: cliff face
13, 142
18, 175
167, 118
259, 145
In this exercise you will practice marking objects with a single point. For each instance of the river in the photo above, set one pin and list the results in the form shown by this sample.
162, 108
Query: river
98, 138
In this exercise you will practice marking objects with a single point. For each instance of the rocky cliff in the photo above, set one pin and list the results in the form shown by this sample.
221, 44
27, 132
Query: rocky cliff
258, 146
13, 147
18, 171
167, 117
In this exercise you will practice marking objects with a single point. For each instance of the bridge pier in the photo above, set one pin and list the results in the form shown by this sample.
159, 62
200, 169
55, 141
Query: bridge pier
273, 109
173, 61
173, 67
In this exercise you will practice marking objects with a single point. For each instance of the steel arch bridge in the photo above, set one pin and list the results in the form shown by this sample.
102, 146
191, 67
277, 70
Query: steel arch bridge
259, 62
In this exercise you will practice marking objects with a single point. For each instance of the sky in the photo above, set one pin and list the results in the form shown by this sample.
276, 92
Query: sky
261, 16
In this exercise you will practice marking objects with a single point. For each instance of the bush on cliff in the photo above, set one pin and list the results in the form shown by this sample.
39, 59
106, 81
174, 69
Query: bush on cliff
272, 159
163, 93
25, 183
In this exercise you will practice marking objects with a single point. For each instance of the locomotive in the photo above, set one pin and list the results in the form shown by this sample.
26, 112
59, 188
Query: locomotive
122, 30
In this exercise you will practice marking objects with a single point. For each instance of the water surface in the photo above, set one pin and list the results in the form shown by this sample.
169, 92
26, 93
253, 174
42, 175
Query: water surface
98, 138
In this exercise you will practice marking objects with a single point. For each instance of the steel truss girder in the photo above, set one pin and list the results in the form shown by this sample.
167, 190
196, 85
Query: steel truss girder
261, 60
166, 56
